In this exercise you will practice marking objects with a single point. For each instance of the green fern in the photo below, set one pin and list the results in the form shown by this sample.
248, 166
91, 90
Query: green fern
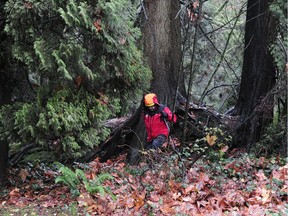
74, 179
68, 178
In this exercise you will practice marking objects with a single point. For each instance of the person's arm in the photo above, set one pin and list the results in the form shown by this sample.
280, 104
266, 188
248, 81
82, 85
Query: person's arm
170, 115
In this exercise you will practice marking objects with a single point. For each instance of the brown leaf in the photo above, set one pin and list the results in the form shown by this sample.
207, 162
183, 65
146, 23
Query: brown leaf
23, 174
129, 202
15, 192
167, 209
154, 197
261, 176
138, 199
85, 200
79, 80
189, 189
174, 185
265, 195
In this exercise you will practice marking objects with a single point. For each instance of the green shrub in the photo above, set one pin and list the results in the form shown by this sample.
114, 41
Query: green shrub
68, 124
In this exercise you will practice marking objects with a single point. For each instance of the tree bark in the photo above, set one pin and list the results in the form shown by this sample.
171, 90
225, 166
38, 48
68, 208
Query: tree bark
5, 93
162, 48
5, 98
255, 105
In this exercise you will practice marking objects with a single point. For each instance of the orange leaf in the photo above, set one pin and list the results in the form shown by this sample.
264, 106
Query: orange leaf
90, 176
138, 199
103, 99
211, 139
166, 209
203, 177
174, 185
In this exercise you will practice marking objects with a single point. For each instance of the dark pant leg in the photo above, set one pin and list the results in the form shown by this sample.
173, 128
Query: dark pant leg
148, 145
158, 141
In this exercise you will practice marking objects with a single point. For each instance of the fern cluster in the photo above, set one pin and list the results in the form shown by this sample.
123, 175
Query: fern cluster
73, 179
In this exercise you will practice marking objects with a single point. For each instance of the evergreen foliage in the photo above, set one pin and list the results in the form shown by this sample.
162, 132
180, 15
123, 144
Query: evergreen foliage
72, 120
83, 58
278, 48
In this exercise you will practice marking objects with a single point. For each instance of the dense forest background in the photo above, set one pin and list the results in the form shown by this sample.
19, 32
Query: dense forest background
70, 67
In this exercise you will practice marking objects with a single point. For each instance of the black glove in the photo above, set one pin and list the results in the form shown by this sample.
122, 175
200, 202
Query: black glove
164, 115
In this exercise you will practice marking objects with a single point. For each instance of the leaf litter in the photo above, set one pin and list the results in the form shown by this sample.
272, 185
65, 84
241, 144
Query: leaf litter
236, 186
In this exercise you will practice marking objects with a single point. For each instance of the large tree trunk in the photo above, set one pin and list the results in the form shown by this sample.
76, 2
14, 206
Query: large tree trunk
5, 97
5, 93
162, 47
254, 105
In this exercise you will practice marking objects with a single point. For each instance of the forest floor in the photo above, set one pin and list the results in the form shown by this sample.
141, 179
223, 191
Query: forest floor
164, 183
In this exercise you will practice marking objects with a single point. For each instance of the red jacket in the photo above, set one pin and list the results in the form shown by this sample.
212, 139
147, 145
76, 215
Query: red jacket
154, 124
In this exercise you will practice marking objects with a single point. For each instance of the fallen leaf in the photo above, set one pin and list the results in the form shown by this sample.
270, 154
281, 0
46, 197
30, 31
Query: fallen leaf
85, 200
15, 193
190, 188
166, 209
211, 139
265, 195
224, 149
23, 174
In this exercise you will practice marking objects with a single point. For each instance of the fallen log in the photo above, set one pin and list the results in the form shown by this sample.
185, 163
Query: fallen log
199, 118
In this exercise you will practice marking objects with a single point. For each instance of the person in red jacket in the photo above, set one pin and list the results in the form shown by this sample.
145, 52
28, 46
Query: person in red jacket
155, 119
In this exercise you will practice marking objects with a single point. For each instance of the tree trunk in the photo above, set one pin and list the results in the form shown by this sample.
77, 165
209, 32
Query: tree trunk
162, 48
5, 93
255, 105
5, 97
